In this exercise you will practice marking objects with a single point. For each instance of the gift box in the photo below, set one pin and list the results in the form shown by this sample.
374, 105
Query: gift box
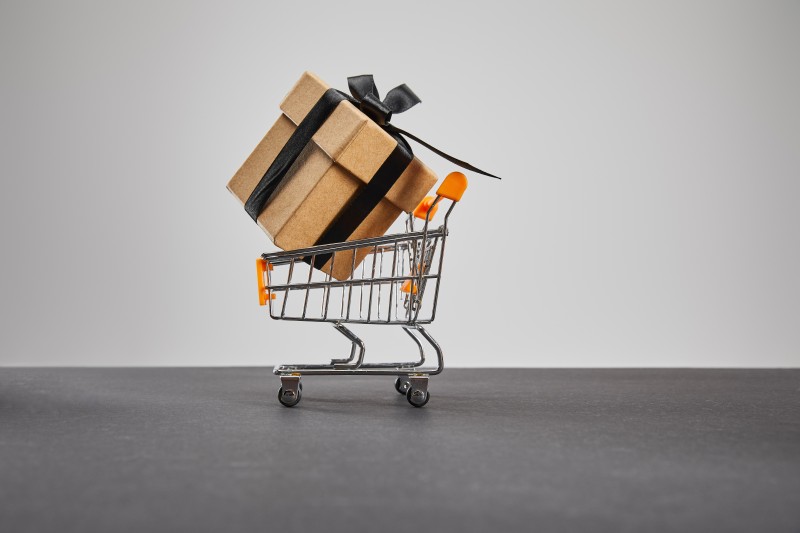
327, 172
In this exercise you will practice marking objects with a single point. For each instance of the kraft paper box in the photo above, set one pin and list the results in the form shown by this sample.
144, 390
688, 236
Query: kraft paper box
343, 156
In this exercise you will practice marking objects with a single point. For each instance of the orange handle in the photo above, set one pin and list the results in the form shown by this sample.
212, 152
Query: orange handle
424, 206
263, 293
453, 186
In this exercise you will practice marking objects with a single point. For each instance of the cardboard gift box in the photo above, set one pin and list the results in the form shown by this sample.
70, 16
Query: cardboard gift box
323, 183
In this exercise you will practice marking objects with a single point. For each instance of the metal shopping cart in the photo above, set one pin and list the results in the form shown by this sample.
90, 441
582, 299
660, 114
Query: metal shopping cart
397, 283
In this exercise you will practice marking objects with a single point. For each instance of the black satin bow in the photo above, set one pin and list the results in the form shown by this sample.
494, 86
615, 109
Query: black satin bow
398, 100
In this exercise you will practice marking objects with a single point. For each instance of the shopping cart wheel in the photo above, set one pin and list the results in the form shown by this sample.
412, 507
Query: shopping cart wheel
288, 397
417, 397
401, 385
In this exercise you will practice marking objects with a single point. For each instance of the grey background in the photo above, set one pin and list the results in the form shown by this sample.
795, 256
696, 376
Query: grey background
647, 216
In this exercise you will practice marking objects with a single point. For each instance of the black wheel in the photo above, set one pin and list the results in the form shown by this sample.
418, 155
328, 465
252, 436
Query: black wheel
401, 385
289, 398
417, 398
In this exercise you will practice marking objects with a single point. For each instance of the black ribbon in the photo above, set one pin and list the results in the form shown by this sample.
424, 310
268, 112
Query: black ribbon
265, 188
367, 99
398, 100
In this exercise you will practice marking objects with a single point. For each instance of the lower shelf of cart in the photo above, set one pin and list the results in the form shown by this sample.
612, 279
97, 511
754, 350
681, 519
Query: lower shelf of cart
345, 370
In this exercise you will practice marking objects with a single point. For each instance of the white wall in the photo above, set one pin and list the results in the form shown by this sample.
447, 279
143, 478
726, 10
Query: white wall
647, 216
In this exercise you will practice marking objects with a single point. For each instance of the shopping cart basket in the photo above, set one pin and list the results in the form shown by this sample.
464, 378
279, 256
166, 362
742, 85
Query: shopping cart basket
397, 283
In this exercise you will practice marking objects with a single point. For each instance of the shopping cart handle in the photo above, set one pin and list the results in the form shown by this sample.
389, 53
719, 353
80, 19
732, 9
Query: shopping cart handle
453, 186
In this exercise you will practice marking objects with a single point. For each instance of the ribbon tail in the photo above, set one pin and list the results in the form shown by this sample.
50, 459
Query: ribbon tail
462, 164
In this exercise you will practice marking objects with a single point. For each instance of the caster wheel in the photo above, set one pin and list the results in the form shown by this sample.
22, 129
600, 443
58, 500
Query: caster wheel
417, 398
288, 398
401, 385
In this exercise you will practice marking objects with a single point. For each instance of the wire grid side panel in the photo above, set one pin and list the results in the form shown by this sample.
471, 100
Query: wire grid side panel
378, 291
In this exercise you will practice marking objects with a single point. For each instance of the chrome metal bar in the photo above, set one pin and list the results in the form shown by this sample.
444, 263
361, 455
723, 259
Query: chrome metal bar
430, 251
380, 285
423, 251
412, 270
353, 346
356, 342
328, 370
350, 291
341, 311
286, 293
404, 258
347, 282
400, 364
440, 266
269, 292
437, 349
391, 287
358, 367
400, 322
371, 287
283, 257
308, 284
361, 292
327, 294
348, 359
375, 369
419, 345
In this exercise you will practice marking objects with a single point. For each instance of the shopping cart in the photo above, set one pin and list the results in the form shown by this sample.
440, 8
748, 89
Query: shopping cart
397, 283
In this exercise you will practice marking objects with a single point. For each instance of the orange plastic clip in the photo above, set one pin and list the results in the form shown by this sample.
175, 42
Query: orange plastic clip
409, 286
263, 293
425, 206
453, 186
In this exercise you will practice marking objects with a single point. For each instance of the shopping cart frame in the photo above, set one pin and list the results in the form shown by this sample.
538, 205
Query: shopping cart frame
425, 267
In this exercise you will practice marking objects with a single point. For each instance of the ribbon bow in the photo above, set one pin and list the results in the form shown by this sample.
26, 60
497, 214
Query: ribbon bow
398, 100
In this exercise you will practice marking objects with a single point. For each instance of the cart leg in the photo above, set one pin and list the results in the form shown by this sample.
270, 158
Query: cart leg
291, 391
346, 360
419, 345
357, 350
401, 384
437, 348
417, 393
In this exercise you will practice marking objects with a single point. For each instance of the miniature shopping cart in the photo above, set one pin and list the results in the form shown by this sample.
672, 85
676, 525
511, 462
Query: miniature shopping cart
396, 283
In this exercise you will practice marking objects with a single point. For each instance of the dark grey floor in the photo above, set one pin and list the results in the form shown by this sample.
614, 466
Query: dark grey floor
505, 450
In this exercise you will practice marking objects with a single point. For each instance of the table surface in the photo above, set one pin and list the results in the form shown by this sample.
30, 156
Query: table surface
181, 449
